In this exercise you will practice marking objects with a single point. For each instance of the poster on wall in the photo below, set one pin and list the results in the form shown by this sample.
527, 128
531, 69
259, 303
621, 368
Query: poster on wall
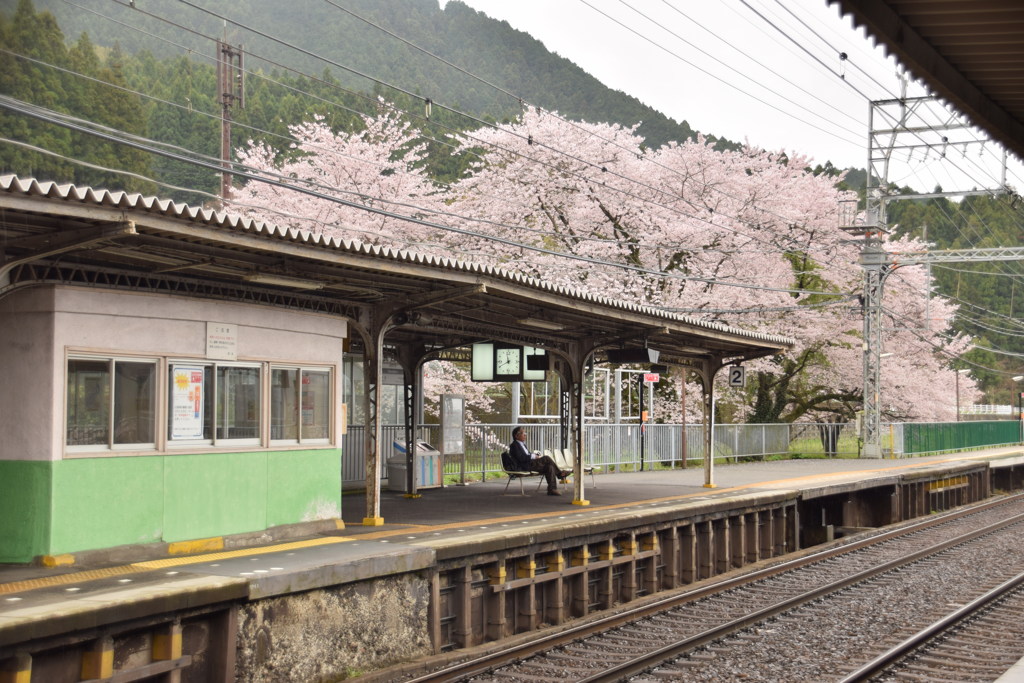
187, 402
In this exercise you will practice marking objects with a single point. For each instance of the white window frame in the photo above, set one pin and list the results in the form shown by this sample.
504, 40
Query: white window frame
111, 360
331, 403
213, 440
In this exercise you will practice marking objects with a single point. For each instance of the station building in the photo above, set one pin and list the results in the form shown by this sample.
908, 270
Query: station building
173, 374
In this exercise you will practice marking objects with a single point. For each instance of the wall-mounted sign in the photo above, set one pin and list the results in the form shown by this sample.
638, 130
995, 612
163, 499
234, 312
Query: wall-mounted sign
737, 376
221, 341
187, 401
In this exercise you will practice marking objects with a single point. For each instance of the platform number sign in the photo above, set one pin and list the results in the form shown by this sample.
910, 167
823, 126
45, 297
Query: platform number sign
737, 376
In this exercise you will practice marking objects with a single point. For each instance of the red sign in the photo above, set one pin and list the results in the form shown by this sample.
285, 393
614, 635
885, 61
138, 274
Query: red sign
652, 377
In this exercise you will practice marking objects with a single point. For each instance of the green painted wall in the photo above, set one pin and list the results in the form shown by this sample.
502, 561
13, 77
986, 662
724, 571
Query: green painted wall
50, 508
304, 485
103, 502
213, 494
24, 509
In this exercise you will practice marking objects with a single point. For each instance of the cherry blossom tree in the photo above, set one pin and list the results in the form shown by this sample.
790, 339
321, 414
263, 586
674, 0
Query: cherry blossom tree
744, 237
358, 175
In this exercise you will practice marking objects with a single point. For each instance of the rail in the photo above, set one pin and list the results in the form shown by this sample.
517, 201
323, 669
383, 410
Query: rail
632, 447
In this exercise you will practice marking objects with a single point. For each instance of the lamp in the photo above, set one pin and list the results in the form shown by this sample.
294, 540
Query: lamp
283, 281
646, 356
543, 324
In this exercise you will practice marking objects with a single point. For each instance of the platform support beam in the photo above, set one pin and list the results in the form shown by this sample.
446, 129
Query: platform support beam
670, 558
463, 631
688, 555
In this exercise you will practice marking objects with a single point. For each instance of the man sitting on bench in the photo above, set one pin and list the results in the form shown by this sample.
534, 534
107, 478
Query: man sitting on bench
534, 462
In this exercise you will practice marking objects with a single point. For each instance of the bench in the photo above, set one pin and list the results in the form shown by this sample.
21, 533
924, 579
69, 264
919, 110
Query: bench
513, 473
563, 458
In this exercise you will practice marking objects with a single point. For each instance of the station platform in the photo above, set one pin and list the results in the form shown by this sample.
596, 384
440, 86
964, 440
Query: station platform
101, 587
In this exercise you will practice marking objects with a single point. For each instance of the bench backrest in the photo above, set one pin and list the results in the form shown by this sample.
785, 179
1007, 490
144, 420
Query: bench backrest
506, 462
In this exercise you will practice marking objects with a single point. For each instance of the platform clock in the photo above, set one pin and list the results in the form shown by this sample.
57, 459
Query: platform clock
508, 363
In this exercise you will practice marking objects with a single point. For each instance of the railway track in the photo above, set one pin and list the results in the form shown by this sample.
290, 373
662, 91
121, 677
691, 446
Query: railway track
812, 618
977, 642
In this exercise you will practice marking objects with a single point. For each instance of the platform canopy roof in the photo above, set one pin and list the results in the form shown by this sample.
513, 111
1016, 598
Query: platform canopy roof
969, 52
53, 233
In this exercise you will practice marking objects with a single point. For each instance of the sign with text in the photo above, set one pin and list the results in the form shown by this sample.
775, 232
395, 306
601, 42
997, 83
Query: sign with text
737, 376
187, 401
221, 341
652, 377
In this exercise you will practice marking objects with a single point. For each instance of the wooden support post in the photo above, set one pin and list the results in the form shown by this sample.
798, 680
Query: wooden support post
650, 577
98, 660
581, 583
555, 603
765, 543
434, 612
670, 558
779, 532
629, 583
463, 631
752, 530
223, 645
738, 545
723, 554
688, 554
606, 587
706, 550
497, 617
17, 669
167, 646
527, 597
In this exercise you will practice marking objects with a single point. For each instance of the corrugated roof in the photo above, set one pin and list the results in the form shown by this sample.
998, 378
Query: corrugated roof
137, 203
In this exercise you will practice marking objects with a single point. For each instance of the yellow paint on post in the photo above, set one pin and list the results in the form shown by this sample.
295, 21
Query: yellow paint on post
99, 661
339, 524
412, 495
200, 545
711, 486
373, 521
580, 501
556, 561
526, 569
65, 560
497, 575
17, 669
167, 645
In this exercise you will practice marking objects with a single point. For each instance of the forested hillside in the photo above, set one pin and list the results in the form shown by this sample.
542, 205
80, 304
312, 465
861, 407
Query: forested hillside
105, 62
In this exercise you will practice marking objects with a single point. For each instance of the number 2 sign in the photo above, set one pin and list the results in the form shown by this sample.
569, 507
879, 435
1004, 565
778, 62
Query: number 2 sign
737, 376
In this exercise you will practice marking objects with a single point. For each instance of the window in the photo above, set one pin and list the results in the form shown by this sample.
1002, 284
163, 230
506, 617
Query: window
300, 404
114, 402
212, 403
111, 402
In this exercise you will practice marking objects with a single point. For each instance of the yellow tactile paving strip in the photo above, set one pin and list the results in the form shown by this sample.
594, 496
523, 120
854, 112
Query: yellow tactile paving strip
64, 579
405, 529
242, 552
152, 565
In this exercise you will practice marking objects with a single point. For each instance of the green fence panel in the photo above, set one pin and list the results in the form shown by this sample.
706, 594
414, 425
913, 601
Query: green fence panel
919, 437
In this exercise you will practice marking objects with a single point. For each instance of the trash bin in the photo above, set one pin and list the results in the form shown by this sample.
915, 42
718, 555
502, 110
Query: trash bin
427, 467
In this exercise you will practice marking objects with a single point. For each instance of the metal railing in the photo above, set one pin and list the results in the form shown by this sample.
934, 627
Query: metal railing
628, 447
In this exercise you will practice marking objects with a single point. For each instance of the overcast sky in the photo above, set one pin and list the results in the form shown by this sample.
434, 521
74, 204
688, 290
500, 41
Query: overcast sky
764, 71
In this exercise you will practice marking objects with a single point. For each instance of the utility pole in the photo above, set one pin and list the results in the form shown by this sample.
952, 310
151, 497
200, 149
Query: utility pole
892, 132
230, 91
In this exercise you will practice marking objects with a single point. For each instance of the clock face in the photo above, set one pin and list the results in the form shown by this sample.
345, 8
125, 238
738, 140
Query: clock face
506, 362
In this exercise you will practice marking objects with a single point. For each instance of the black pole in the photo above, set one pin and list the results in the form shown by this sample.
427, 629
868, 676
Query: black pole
642, 425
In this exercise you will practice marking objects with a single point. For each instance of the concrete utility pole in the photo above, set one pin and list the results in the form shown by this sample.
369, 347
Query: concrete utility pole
891, 133
230, 91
